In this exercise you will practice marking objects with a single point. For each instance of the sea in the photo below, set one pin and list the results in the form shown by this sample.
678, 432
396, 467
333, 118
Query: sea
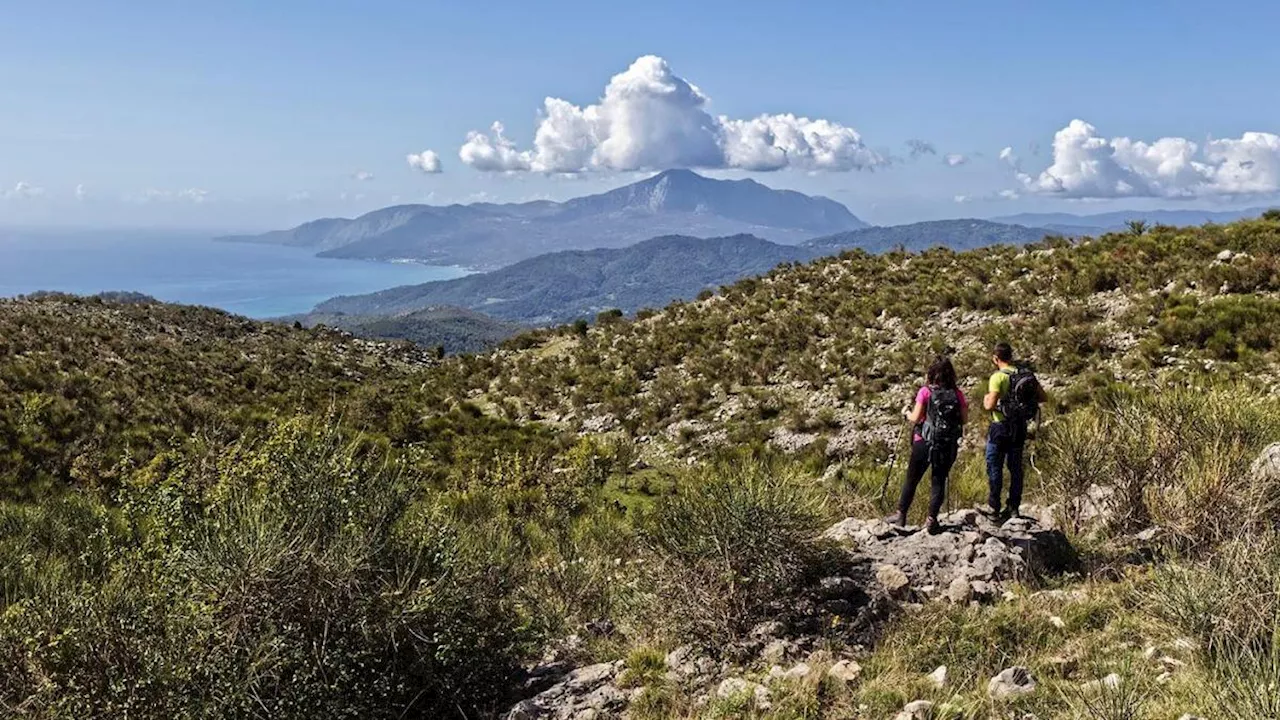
258, 281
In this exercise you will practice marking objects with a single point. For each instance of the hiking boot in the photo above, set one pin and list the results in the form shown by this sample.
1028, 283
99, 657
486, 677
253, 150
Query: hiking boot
897, 519
932, 526
1008, 514
988, 510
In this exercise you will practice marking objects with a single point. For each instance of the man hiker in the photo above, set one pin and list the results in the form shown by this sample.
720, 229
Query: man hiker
1013, 397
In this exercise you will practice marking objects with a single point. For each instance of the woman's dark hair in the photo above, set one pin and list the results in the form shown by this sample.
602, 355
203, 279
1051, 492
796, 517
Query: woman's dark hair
942, 373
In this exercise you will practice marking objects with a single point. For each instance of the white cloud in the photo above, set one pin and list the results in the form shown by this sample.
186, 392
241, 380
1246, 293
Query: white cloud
955, 159
1007, 155
81, 192
362, 175
427, 161
962, 198
24, 190
1088, 165
650, 118
193, 195
300, 196
493, 152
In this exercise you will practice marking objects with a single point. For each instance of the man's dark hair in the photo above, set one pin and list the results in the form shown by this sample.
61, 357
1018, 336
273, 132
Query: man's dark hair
942, 373
1004, 352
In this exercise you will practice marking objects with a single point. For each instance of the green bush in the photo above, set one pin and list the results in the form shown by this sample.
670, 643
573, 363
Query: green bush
295, 577
729, 543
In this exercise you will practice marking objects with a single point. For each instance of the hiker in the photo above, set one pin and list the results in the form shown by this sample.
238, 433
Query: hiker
1013, 397
938, 419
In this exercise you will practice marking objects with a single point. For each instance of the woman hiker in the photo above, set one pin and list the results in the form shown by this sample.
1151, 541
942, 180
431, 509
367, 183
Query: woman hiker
938, 419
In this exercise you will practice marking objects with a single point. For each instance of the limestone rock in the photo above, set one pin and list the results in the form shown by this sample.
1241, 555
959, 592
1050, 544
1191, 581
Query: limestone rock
918, 710
1011, 682
894, 581
938, 678
738, 688
845, 671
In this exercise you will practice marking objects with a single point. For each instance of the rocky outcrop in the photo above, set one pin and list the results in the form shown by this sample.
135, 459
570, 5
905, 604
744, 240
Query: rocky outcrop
973, 558
882, 568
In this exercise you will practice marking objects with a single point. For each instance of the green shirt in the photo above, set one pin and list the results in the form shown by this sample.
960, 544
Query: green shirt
999, 384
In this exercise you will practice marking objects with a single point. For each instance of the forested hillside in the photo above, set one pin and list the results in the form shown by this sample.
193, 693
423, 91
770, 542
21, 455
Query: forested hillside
670, 516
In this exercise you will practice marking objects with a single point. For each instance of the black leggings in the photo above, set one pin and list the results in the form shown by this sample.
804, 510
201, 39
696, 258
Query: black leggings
921, 458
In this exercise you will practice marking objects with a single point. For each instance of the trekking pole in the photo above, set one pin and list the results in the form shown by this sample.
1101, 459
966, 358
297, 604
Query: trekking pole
893, 460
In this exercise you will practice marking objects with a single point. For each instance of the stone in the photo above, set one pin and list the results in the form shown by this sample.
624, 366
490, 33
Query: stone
1266, 467
1226, 256
1110, 682
845, 671
836, 588
959, 591
739, 688
893, 580
777, 651
918, 710
1057, 622
938, 678
1011, 682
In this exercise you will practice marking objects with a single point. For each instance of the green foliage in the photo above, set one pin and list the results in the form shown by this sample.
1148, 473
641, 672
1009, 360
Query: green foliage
292, 577
1177, 458
730, 542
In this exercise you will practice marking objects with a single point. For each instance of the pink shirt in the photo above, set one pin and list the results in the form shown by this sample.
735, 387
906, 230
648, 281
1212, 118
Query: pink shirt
922, 398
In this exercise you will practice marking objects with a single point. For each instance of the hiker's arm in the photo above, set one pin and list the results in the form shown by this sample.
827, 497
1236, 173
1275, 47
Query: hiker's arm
1041, 394
916, 415
991, 399
964, 413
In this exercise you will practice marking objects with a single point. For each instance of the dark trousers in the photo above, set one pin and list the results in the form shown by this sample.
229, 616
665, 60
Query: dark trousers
1004, 449
941, 460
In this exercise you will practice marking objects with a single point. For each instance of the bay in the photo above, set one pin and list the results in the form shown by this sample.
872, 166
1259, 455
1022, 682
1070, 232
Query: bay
258, 281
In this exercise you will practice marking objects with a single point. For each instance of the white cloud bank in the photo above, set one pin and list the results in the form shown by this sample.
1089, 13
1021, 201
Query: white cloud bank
1088, 165
24, 190
651, 119
955, 159
427, 161
362, 175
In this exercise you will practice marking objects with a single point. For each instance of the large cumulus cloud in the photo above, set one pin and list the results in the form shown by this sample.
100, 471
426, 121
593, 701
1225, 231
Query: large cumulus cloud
1088, 165
650, 118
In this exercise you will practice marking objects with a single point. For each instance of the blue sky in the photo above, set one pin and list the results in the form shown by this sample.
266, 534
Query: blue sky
262, 114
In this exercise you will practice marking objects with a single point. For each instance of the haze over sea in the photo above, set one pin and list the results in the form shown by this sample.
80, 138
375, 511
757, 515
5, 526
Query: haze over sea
255, 280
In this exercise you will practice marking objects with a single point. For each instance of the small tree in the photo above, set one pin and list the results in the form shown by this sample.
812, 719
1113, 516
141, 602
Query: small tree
1137, 227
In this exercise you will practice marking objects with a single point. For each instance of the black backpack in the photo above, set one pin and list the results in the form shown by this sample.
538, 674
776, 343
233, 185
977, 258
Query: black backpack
944, 422
1021, 404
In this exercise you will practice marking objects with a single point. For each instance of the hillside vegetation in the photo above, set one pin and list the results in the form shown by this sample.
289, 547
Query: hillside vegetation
205, 516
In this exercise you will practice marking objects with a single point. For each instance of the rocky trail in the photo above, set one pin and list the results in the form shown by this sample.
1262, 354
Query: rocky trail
889, 570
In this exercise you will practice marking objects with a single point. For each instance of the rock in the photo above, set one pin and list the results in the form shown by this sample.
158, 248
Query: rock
1226, 256
938, 678
740, 688
1057, 622
918, 710
1011, 682
959, 591
777, 651
587, 692
974, 548
1110, 682
893, 580
1189, 716
799, 671
1266, 467
845, 671
836, 588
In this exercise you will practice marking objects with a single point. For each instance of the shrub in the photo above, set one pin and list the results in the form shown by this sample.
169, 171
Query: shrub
733, 540
1177, 458
297, 577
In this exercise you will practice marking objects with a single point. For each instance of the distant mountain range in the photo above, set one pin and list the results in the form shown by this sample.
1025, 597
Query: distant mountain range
563, 286
958, 235
558, 287
489, 236
1070, 224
